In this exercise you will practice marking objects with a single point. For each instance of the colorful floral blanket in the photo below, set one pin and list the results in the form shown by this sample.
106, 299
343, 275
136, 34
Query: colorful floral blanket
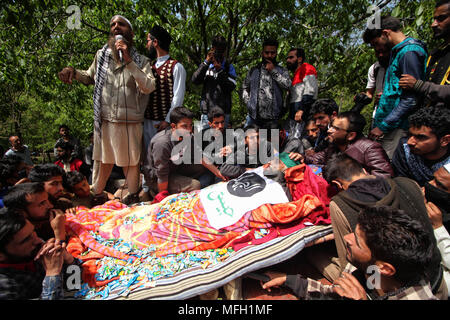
124, 237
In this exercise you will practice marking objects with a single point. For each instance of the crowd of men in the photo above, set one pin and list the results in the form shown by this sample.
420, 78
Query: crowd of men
391, 209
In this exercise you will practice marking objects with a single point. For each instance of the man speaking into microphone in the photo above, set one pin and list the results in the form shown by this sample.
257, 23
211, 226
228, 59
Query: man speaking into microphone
122, 80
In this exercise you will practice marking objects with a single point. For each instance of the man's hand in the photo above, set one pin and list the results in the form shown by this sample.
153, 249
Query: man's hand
122, 46
296, 157
349, 287
162, 125
52, 257
217, 65
58, 223
298, 116
310, 152
276, 279
435, 215
225, 151
219, 175
269, 65
71, 210
407, 82
67, 74
376, 134
210, 56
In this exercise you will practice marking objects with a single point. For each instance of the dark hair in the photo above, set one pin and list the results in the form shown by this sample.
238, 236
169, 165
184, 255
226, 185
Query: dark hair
435, 118
299, 52
9, 168
65, 145
441, 3
356, 121
7, 171
72, 178
270, 42
253, 127
163, 37
219, 42
11, 222
396, 237
387, 22
341, 166
44, 172
63, 126
327, 106
17, 196
179, 113
215, 112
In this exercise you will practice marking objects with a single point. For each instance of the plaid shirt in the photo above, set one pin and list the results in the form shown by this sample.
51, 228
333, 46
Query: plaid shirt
310, 289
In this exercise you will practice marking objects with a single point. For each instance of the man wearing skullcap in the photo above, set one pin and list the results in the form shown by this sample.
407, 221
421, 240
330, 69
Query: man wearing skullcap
122, 80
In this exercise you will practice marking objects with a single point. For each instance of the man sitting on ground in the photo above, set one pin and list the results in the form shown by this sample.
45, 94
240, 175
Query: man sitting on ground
167, 170
65, 136
32, 201
427, 147
323, 111
52, 176
66, 160
77, 183
29, 268
386, 241
346, 135
359, 191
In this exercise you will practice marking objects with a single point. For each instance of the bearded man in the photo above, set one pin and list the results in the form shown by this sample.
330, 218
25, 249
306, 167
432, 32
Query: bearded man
303, 91
123, 80
435, 89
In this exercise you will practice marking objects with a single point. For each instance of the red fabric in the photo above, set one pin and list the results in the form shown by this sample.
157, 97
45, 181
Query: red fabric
75, 164
301, 180
160, 196
27, 266
305, 70
303, 185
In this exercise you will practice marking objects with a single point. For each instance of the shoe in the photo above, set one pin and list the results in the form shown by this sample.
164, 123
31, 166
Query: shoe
131, 199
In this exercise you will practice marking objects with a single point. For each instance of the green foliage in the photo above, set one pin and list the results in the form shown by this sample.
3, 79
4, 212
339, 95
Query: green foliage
36, 44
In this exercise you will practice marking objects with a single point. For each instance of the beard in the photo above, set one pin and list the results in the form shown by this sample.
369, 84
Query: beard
441, 33
127, 38
292, 66
152, 54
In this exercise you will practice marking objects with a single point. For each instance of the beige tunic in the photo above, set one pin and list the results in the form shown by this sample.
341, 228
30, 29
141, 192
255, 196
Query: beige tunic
124, 99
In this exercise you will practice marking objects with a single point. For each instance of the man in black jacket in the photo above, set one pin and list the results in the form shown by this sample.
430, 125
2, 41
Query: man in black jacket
218, 77
435, 89
427, 147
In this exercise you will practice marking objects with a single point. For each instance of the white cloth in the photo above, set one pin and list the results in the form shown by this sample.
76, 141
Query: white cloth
371, 79
224, 209
443, 244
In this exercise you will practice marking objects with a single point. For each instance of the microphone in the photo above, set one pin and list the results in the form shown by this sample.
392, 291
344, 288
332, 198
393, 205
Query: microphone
117, 38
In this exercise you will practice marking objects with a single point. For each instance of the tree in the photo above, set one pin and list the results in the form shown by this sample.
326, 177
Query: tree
39, 38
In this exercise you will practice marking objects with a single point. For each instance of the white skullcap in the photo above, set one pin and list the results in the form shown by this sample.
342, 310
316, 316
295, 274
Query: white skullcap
122, 17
